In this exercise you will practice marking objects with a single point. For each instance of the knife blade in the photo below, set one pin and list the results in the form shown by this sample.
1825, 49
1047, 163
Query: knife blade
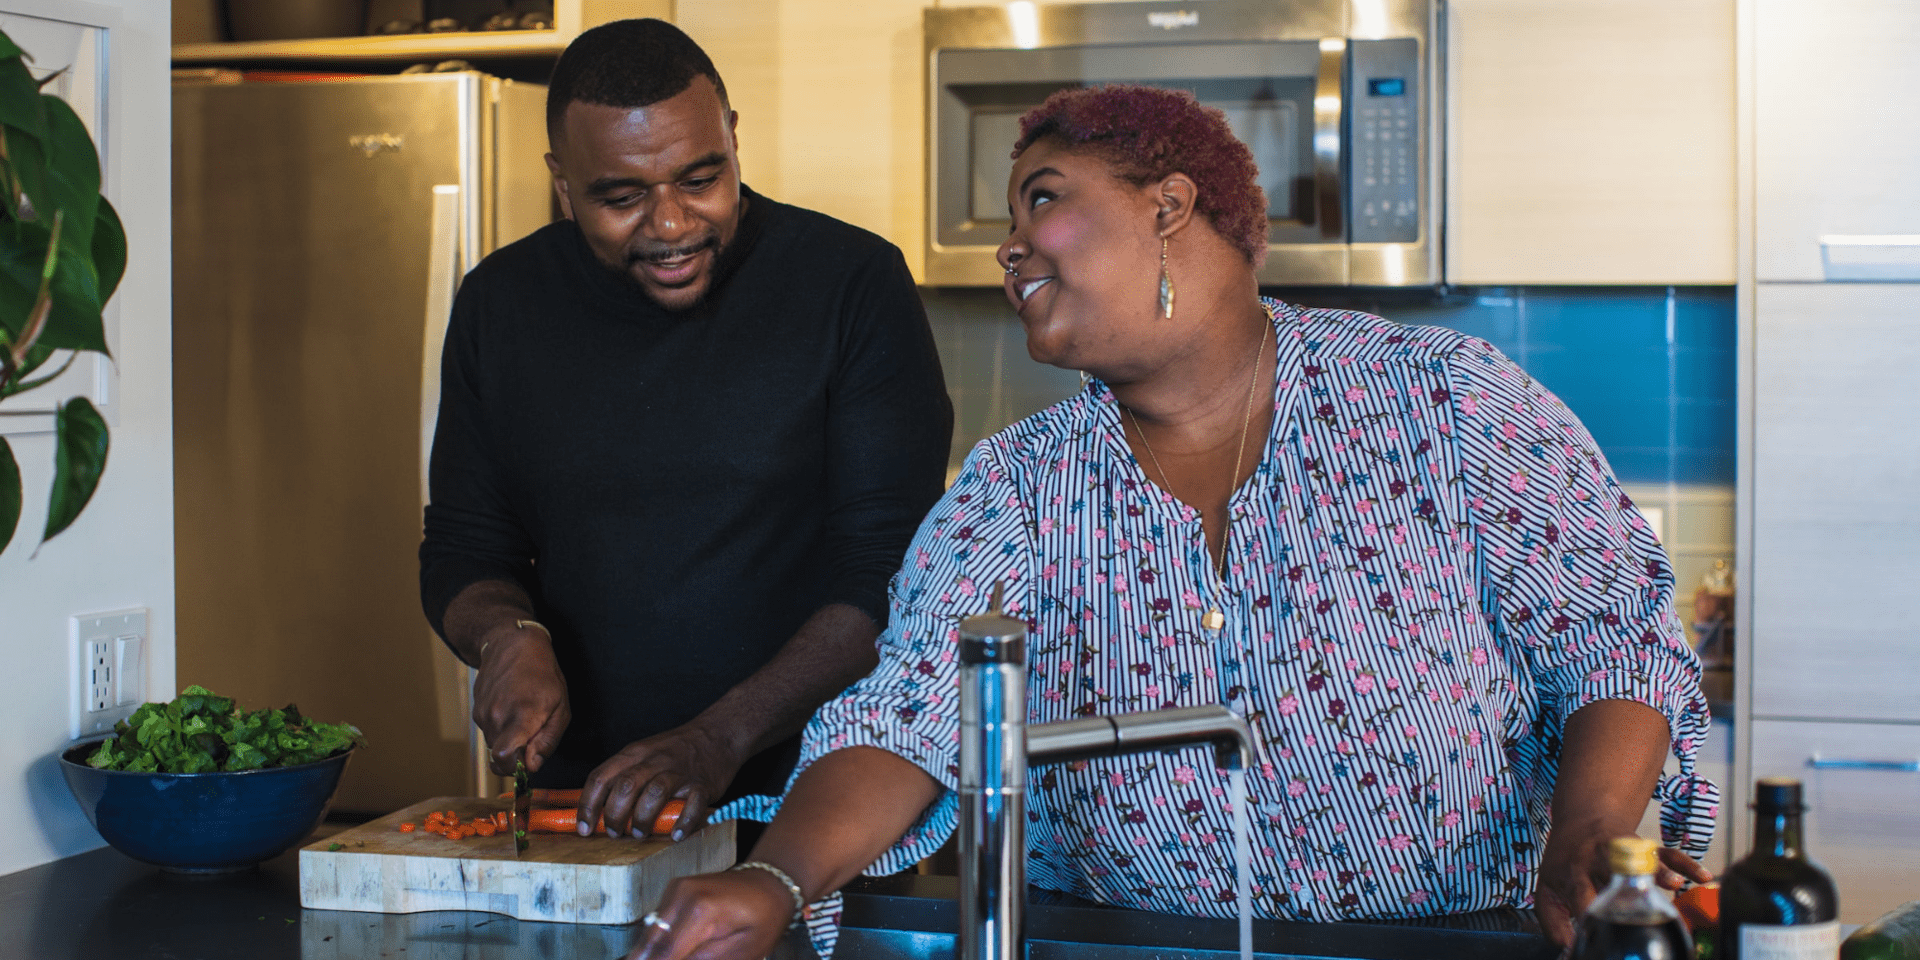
522, 806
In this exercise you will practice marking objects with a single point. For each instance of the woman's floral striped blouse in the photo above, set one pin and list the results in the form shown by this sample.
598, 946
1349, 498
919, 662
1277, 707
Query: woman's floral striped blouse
1431, 569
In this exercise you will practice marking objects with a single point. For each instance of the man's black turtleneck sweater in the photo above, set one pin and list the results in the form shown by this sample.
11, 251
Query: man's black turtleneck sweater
679, 492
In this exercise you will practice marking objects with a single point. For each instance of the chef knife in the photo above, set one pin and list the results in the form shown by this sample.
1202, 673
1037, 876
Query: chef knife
522, 806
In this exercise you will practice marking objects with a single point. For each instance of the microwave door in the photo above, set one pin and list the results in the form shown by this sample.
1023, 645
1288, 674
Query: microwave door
1275, 95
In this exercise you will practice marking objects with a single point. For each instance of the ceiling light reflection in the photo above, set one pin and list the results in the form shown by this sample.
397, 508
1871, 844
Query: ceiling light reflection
1024, 18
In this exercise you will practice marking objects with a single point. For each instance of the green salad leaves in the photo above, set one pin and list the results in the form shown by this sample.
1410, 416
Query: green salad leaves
202, 732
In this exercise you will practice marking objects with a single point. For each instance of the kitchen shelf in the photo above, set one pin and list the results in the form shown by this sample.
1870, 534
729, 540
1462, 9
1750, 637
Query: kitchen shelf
399, 48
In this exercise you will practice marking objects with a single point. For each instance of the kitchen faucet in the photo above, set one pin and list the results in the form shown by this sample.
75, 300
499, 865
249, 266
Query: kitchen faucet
996, 747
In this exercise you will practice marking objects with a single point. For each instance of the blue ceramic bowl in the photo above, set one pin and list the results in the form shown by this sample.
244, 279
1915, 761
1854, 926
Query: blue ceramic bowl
203, 822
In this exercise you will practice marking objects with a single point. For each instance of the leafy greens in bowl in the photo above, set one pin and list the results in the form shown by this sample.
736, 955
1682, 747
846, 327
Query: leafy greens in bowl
200, 786
203, 732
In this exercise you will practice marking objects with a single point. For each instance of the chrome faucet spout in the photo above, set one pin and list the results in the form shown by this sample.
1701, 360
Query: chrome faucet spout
996, 747
1110, 736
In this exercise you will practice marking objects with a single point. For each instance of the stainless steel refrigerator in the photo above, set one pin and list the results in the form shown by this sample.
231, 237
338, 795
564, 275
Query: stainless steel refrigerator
320, 230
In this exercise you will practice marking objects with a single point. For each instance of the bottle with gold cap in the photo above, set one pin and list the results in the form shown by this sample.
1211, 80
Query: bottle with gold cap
1631, 919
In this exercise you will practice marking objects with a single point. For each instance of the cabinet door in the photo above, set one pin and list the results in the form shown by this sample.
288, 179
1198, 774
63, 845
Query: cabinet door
1836, 138
1590, 142
1863, 799
1835, 573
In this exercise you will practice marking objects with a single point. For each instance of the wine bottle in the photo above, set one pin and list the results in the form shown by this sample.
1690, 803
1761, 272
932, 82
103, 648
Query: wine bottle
1775, 904
1895, 936
1630, 919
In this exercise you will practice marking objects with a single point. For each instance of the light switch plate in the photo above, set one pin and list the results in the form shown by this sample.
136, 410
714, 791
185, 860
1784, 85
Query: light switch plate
109, 681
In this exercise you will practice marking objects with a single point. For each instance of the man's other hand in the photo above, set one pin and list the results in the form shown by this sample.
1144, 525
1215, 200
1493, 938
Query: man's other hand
691, 762
520, 697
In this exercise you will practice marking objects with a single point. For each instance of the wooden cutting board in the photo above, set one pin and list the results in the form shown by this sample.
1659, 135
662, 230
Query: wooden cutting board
375, 868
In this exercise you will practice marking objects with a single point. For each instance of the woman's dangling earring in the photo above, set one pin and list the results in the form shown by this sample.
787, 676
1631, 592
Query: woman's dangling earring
1166, 283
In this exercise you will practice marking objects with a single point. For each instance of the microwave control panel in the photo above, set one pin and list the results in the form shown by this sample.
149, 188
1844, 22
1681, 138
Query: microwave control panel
1384, 154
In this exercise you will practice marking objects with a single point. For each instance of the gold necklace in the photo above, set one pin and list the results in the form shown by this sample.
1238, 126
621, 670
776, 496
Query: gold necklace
1214, 619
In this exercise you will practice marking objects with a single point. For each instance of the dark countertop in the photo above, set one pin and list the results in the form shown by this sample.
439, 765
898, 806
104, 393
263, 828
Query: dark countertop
104, 905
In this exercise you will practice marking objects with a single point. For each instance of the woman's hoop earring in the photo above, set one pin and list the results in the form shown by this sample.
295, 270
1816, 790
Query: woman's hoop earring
1166, 283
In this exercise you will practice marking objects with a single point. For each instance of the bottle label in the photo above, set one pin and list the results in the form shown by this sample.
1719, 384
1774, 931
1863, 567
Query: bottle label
1811, 941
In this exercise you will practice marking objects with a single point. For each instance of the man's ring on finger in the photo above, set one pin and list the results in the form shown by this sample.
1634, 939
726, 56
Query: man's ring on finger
652, 919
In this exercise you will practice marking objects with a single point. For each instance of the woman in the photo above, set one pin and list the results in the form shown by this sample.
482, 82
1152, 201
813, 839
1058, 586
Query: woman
1399, 557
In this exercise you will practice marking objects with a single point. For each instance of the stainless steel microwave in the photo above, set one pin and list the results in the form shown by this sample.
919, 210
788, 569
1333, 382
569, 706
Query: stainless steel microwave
1338, 99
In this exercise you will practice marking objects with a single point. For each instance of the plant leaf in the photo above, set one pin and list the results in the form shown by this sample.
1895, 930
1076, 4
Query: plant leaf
73, 178
109, 250
79, 457
10, 49
27, 171
75, 322
9, 494
35, 358
20, 104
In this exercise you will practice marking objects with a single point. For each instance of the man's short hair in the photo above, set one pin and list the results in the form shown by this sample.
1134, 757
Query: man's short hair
627, 63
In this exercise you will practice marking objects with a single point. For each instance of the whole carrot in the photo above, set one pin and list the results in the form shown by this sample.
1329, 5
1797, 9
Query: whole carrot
558, 820
565, 820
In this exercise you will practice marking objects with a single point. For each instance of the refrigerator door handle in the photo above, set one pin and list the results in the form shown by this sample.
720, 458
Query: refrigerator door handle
444, 271
443, 278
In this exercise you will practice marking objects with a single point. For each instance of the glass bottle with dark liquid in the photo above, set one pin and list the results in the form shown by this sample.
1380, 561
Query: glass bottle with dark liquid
1775, 904
1631, 919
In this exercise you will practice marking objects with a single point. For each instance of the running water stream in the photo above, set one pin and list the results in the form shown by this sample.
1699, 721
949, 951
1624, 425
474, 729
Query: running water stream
1242, 857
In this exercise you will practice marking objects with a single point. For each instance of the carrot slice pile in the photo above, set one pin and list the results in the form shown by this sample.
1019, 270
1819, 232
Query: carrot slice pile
447, 823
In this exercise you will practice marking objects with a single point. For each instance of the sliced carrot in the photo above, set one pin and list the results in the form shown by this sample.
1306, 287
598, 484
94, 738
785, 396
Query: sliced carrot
485, 828
406, 828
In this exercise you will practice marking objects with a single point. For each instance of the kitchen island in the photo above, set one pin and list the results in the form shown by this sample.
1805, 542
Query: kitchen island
101, 905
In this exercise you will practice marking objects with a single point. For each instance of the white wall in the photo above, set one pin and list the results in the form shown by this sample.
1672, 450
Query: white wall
119, 553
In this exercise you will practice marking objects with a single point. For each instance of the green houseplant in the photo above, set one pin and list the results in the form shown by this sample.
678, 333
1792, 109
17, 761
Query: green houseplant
62, 252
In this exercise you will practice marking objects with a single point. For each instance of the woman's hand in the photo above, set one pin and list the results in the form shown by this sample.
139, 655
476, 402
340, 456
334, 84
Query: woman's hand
737, 915
1574, 869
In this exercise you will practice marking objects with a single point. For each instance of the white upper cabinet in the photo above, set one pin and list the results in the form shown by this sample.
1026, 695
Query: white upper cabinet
1835, 572
1837, 139
1591, 142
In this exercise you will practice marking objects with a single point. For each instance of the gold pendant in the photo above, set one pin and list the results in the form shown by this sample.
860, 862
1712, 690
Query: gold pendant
1213, 619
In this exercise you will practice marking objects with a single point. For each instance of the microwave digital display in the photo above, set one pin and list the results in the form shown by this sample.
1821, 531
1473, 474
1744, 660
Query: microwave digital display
1387, 87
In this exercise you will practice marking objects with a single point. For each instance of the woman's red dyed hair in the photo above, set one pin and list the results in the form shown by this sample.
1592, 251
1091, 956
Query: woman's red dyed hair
1146, 133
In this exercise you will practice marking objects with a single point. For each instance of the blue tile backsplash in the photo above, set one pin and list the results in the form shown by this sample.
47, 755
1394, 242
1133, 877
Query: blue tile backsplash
1649, 370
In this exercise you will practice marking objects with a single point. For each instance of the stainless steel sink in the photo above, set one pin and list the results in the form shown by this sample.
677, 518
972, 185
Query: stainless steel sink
909, 917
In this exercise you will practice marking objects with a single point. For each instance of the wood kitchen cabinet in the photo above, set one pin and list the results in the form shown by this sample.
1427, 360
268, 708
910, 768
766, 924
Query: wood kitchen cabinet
1591, 143
1829, 659
1833, 663
1836, 539
570, 18
1837, 138
1863, 797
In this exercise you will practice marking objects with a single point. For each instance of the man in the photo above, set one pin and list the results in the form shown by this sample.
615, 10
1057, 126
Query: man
685, 435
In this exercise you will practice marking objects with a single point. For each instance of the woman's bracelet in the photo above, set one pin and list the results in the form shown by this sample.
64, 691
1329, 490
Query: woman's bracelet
799, 899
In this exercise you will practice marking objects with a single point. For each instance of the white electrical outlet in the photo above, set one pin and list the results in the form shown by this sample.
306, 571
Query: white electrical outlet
109, 654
